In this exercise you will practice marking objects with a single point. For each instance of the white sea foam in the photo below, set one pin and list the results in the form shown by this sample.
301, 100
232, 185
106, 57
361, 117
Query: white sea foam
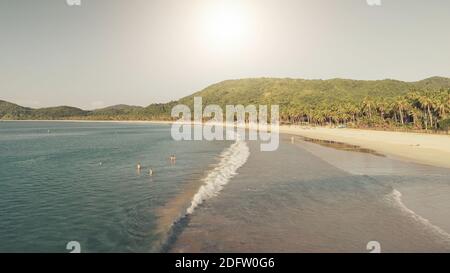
232, 159
396, 197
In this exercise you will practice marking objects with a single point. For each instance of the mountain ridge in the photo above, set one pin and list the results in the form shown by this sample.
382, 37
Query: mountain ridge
297, 99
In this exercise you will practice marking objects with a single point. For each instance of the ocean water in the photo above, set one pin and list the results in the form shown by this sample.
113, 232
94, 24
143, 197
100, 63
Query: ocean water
305, 197
69, 181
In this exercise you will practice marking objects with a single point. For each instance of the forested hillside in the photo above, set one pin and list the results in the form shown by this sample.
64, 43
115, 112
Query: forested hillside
385, 103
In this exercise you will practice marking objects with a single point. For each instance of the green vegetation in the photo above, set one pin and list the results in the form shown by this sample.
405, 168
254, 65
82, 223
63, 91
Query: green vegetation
381, 104
13, 111
445, 125
117, 112
60, 112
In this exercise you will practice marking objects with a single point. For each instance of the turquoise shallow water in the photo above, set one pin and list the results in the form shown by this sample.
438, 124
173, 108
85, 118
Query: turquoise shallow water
64, 181
301, 198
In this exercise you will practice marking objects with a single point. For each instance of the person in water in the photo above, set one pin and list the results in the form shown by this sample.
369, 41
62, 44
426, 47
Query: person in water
173, 158
150, 172
139, 167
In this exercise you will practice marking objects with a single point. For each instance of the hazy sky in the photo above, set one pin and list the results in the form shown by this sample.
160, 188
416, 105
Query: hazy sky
107, 52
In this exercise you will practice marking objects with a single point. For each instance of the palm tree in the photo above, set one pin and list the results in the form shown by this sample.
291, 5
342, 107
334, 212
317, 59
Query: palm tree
426, 103
401, 105
320, 117
441, 104
352, 111
416, 114
381, 107
368, 105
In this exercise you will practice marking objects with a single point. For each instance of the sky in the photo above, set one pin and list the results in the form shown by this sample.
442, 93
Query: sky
138, 52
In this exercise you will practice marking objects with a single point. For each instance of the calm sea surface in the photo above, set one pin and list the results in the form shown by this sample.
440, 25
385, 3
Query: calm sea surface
64, 181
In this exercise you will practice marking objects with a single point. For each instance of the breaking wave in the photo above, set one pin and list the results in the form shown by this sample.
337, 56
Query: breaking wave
232, 159
396, 197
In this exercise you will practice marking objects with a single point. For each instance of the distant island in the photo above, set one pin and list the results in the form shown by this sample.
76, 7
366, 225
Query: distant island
387, 103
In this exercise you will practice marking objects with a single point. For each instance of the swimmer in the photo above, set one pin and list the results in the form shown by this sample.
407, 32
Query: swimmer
173, 158
150, 172
139, 167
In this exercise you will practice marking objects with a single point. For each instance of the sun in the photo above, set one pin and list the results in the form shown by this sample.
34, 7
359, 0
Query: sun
225, 23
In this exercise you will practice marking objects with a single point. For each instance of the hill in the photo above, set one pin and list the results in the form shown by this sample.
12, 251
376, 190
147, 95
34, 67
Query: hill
382, 103
310, 92
12, 111
420, 104
60, 112
120, 111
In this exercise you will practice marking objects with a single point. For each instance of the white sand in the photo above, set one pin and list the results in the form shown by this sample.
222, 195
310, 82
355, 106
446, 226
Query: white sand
420, 148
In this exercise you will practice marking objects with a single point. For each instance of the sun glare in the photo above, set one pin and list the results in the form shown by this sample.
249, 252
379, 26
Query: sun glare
225, 24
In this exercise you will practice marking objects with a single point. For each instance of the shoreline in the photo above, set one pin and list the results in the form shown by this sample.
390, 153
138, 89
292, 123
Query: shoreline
429, 149
411, 147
